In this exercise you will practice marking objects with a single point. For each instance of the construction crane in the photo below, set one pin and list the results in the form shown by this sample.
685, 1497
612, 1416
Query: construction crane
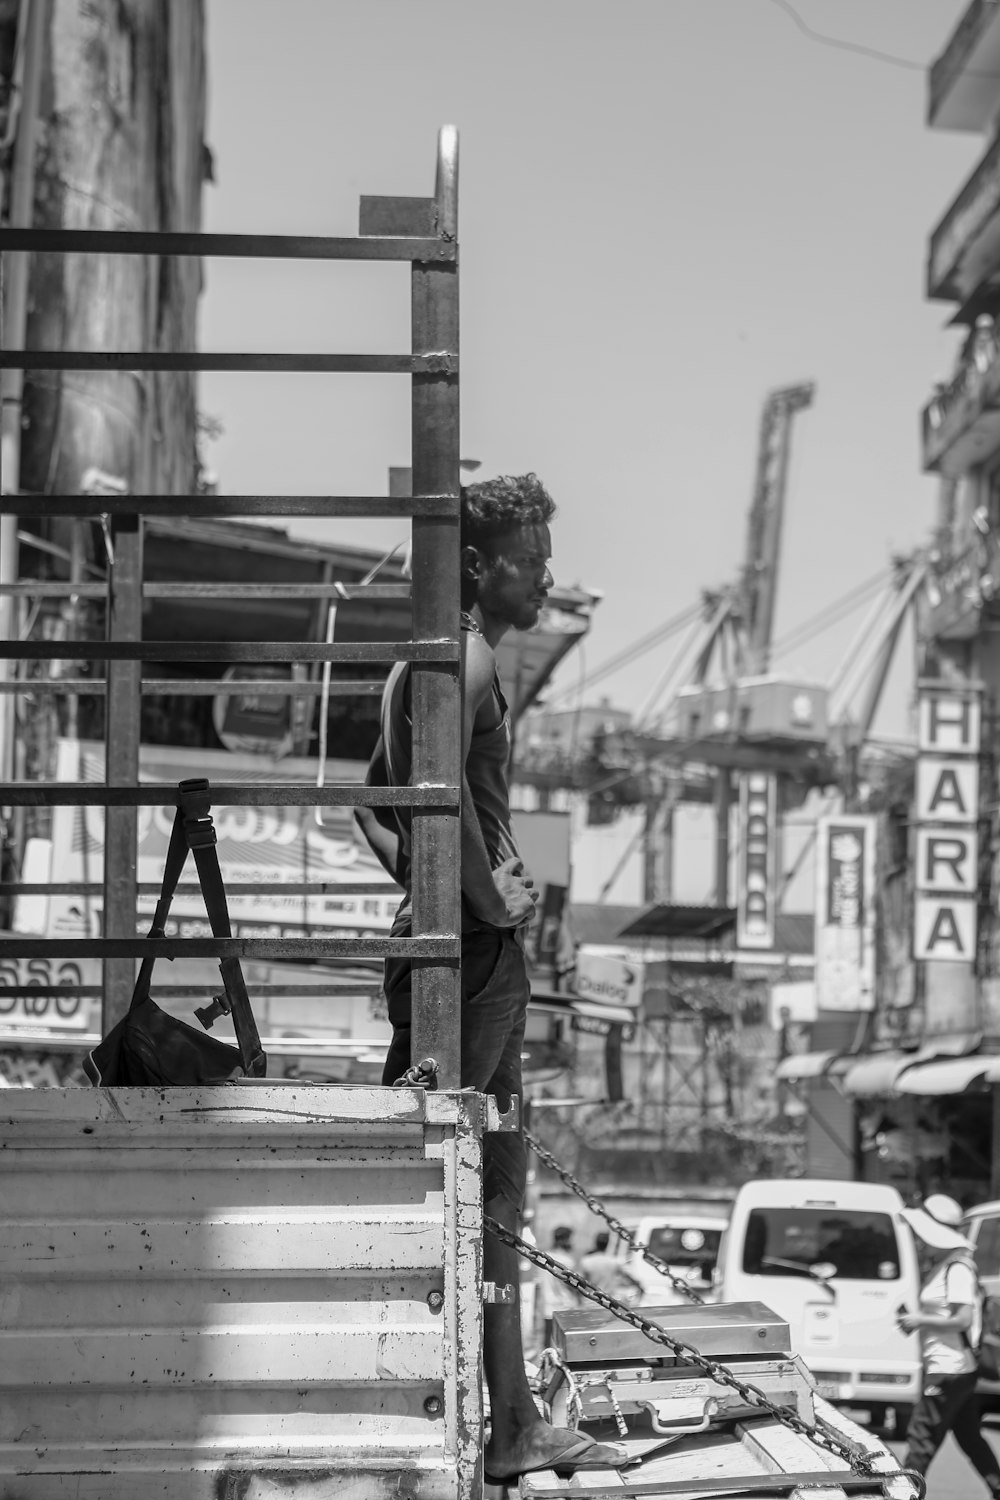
734, 638
763, 549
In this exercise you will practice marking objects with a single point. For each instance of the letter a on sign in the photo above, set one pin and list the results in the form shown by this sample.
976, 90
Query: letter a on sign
947, 791
944, 929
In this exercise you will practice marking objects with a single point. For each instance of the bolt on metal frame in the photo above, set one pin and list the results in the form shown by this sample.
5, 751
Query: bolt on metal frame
424, 233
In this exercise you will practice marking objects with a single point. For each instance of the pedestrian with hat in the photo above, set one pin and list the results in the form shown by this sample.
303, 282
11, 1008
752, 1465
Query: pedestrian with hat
945, 1321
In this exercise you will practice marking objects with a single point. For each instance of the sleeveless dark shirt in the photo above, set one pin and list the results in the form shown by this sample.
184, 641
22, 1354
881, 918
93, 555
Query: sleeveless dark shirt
485, 770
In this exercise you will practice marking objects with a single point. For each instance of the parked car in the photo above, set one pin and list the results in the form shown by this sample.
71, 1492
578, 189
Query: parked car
982, 1226
837, 1262
687, 1242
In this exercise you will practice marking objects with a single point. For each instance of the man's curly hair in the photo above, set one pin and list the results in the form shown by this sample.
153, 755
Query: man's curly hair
496, 506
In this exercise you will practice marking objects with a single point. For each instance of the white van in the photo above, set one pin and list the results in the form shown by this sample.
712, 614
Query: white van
834, 1260
687, 1242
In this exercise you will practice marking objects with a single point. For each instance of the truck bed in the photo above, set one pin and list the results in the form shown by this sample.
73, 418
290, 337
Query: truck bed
694, 1434
744, 1462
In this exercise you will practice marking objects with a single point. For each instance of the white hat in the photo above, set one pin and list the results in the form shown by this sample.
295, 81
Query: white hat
937, 1223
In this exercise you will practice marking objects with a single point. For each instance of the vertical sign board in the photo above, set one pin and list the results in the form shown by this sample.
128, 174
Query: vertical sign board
946, 817
756, 884
845, 913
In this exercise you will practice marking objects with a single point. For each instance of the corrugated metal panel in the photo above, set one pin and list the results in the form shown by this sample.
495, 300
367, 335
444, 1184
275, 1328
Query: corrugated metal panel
831, 1131
239, 1292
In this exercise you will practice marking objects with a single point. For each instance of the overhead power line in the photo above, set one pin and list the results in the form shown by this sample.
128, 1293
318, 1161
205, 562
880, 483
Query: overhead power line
831, 614
629, 654
891, 59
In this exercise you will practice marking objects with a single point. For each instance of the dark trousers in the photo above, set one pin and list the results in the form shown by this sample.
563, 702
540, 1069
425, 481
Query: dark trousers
948, 1403
495, 996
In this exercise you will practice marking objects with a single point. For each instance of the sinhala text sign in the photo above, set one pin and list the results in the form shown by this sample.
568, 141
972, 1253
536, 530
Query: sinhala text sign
756, 860
845, 913
271, 846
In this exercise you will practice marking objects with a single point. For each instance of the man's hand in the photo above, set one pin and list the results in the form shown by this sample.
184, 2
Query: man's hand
516, 890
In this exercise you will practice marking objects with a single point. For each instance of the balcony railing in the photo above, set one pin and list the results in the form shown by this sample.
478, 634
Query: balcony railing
961, 422
960, 91
965, 246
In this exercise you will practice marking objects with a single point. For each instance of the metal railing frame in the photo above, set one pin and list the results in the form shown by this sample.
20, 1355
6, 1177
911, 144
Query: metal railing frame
422, 233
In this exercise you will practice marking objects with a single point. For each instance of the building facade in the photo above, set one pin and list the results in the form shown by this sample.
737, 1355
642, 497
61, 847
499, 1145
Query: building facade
917, 1102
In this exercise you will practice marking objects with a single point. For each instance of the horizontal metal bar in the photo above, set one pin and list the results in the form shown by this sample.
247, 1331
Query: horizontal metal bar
241, 246
204, 507
346, 591
192, 888
194, 687
365, 592
255, 794
195, 991
37, 589
443, 363
231, 651
443, 946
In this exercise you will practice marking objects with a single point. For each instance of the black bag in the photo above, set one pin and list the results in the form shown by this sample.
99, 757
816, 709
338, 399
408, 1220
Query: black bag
150, 1048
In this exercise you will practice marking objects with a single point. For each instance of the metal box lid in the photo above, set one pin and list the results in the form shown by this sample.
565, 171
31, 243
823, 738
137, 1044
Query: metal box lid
719, 1329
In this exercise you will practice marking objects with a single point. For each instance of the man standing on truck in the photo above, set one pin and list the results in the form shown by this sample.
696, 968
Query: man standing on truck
505, 579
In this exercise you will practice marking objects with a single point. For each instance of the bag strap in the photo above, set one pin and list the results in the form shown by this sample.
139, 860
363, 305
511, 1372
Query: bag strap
193, 829
194, 809
177, 850
964, 1258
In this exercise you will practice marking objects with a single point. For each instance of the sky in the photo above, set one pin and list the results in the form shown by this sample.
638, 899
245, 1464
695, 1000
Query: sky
667, 208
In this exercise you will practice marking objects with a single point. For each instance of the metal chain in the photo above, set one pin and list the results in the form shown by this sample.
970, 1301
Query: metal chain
596, 1206
854, 1456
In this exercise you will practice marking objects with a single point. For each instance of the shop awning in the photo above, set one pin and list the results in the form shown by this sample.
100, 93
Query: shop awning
876, 1074
953, 1075
948, 1044
804, 1065
559, 1004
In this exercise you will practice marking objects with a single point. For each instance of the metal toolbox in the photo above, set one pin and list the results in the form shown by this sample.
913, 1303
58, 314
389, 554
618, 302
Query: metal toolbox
720, 1330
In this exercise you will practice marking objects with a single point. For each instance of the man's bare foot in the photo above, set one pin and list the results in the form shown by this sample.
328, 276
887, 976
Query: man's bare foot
543, 1447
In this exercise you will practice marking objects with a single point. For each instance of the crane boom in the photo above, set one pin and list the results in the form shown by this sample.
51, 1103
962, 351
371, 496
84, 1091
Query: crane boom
760, 571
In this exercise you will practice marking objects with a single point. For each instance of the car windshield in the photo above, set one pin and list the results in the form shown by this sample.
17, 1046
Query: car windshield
685, 1245
791, 1241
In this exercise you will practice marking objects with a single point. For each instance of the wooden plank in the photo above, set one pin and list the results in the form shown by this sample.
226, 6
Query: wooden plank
781, 1450
882, 1460
759, 1486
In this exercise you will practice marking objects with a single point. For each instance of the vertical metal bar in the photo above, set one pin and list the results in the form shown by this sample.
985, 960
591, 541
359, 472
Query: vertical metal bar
436, 695
121, 761
723, 802
14, 314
